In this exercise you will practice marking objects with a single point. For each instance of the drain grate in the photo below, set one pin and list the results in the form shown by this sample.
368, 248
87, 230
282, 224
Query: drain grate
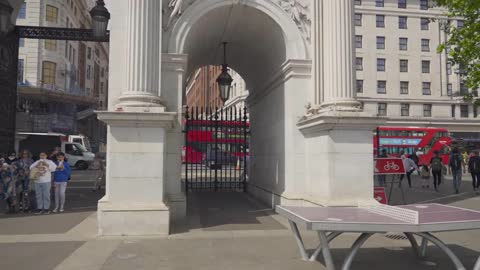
395, 236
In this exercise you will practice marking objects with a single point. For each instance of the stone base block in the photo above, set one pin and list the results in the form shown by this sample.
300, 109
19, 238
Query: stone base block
125, 219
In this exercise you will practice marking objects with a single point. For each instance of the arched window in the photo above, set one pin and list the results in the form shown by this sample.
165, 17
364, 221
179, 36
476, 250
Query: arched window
49, 70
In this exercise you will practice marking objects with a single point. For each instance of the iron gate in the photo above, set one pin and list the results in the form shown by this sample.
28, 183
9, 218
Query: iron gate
215, 155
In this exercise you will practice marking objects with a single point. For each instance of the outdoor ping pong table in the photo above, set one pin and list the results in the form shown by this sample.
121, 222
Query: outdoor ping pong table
418, 219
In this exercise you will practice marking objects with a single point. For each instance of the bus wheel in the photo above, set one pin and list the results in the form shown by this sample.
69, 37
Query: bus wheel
81, 165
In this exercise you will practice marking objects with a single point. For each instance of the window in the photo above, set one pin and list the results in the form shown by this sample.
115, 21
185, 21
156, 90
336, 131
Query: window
358, 2
382, 109
464, 111
403, 65
402, 3
404, 88
381, 64
380, 21
425, 45
89, 72
424, 23
22, 13
449, 68
50, 45
404, 109
21, 67
52, 14
426, 88
403, 43
379, 3
425, 66
359, 86
359, 63
21, 42
358, 19
423, 4
101, 88
460, 24
402, 22
67, 22
89, 53
475, 111
449, 89
380, 43
358, 41
381, 87
102, 72
49, 70
427, 110
463, 89
453, 111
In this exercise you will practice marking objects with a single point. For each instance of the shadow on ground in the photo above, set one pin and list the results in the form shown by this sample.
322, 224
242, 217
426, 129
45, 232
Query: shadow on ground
225, 211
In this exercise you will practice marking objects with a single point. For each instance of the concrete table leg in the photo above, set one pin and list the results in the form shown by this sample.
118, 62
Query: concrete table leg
354, 249
458, 264
299, 240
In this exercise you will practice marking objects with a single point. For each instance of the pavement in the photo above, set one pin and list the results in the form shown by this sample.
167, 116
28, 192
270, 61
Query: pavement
222, 231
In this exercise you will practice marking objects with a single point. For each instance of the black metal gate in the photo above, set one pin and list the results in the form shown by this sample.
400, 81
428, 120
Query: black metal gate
215, 155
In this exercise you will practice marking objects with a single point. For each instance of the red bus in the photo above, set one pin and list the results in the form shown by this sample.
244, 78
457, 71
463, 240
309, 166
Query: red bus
421, 140
227, 136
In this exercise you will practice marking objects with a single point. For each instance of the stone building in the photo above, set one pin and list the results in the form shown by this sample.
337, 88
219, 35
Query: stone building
61, 83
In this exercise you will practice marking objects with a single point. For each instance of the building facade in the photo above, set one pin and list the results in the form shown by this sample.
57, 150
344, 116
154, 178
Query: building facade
399, 72
61, 83
203, 91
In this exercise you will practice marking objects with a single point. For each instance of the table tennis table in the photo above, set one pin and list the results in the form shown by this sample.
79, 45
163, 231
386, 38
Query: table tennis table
411, 220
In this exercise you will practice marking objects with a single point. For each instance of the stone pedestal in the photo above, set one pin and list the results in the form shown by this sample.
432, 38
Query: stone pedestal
339, 158
135, 201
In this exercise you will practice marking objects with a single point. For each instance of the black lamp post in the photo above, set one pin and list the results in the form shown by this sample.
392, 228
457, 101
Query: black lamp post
5, 15
100, 17
224, 80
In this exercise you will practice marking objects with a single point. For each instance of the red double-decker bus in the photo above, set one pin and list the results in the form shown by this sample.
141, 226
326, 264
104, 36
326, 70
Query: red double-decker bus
421, 140
225, 137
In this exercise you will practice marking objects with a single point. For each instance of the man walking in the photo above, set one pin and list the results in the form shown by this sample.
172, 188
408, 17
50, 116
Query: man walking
474, 169
456, 164
437, 167
409, 166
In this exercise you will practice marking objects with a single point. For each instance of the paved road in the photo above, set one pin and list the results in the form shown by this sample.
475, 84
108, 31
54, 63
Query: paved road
222, 231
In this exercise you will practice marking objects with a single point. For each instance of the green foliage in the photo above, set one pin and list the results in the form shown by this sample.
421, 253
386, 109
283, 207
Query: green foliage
465, 41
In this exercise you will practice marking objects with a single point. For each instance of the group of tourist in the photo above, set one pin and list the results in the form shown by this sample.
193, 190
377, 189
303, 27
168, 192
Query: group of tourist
457, 164
22, 178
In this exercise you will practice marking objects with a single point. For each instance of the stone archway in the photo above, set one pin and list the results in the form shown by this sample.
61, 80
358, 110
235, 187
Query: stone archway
299, 154
267, 48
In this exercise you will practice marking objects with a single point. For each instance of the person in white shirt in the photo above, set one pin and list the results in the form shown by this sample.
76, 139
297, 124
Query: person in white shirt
43, 182
409, 166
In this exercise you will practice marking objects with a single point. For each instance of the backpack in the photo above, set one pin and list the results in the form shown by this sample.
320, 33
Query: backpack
456, 162
475, 165
437, 164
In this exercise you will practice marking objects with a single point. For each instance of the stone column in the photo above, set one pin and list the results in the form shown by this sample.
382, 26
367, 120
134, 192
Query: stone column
338, 55
143, 57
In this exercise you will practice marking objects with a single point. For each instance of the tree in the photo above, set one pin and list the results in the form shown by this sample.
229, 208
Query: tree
464, 42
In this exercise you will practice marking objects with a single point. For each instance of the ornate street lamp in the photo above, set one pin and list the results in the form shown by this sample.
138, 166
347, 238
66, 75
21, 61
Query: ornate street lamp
224, 80
5, 15
100, 18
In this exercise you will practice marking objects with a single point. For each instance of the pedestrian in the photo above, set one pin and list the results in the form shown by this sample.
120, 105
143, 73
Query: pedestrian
474, 169
61, 177
42, 171
425, 173
456, 165
12, 158
414, 157
465, 161
100, 166
7, 188
409, 166
436, 163
22, 174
